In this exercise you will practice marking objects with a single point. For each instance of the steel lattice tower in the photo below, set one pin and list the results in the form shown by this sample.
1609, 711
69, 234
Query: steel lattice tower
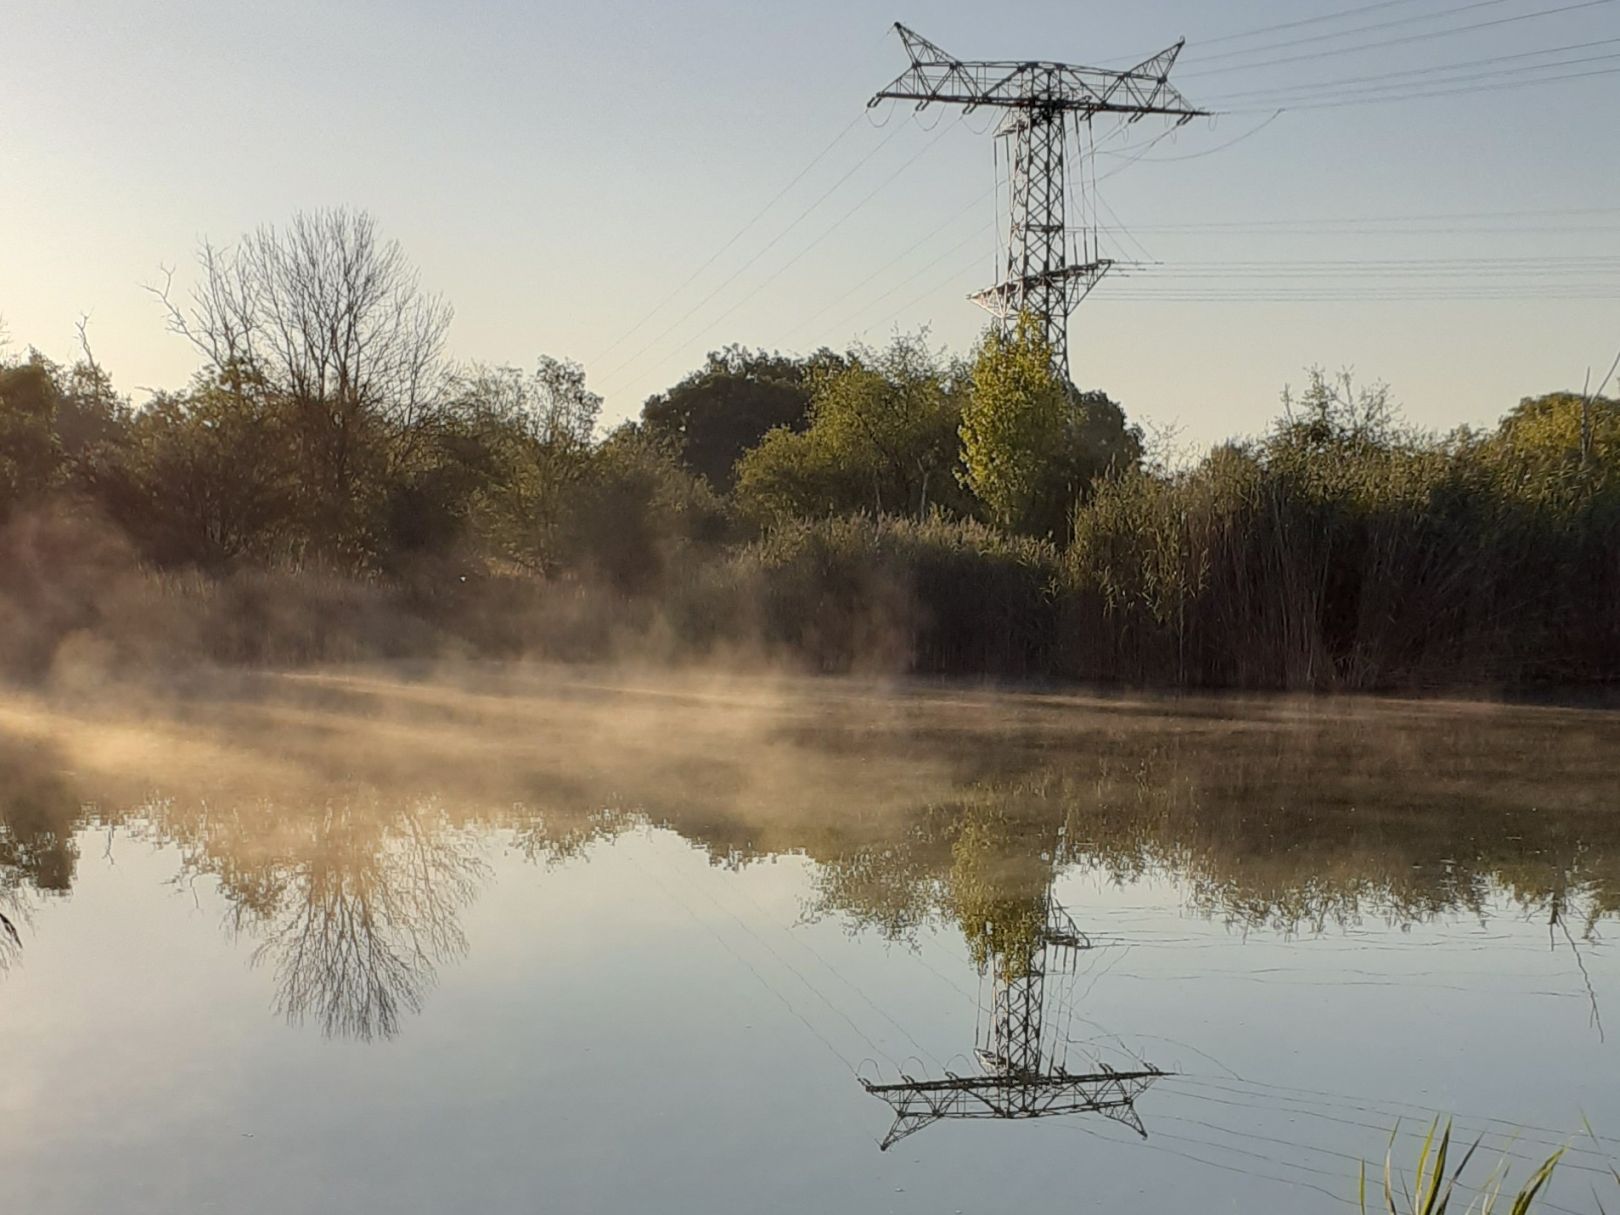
1044, 103
1024, 1073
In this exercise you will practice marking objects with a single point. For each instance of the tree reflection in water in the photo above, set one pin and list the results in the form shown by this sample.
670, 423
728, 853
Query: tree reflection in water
353, 908
341, 818
40, 816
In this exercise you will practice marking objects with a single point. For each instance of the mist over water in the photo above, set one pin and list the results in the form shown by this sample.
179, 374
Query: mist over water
518, 938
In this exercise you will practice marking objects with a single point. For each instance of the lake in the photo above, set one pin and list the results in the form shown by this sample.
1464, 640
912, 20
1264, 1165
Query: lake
484, 939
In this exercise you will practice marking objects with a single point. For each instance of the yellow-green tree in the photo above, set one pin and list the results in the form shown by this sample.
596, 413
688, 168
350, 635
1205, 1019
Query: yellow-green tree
882, 439
997, 890
1559, 444
1031, 444
1013, 424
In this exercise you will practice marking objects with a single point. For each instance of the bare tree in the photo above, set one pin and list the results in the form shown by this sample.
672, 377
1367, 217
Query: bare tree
355, 903
332, 322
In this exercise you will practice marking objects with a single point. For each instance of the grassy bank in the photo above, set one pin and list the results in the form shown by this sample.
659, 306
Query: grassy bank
1413, 570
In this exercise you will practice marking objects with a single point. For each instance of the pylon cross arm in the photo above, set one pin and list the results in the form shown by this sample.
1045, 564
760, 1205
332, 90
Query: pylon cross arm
1007, 300
935, 76
920, 1103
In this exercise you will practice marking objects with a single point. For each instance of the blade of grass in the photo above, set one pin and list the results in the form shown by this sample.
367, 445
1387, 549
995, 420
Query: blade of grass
1426, 1184
1538, 1179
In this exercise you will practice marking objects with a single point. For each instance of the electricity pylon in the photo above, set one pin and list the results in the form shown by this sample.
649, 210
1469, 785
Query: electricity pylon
1044, 102
1022, 1077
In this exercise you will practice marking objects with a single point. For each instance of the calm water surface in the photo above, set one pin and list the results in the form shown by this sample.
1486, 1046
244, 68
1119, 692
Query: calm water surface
483, 941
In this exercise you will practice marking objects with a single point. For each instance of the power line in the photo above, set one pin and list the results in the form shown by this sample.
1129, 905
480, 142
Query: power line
775, 198
1336, 296
1499, 230
1132, 152
1285, 25
754, 970
1270, 1098
1421, 265
1340, 15
1379, 92
1382, 99
1340, 297
1401, 41
738, 235
1314, 280
840, 976
961, 272
1135, 152
1236, 281
826, 194
1357, 277
1276, 91
1220, 147
1275, 291
1320, 291
797, 973
892, 262
1413, 217
955, 275
1381, 1106
1153, 1144
1353, 280
1366, 297
1363, 29
977, 234
1120, 226
797, 257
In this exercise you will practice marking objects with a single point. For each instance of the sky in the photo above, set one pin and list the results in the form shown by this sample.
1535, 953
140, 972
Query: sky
631, 184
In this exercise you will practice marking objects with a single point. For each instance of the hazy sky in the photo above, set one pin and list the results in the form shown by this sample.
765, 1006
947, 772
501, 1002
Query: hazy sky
557, 170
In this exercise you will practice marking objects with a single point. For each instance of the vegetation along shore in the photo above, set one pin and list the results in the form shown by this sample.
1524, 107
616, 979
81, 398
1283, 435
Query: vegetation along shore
332, 485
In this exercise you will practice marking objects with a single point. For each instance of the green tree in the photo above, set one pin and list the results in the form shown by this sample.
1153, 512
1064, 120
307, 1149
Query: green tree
1013, 423
793, 475
525, 443
53, 423
1032, 444
90, 413
727, 406
1333, 417
882, 438
1098, 441
30, 452
636, 511
201, 478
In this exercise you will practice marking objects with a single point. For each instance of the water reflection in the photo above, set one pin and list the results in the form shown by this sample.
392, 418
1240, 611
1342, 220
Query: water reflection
39, 815
343, 820
352, 906
1025, 943
1022, 1052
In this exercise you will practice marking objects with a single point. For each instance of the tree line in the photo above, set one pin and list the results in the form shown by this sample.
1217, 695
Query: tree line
894, 506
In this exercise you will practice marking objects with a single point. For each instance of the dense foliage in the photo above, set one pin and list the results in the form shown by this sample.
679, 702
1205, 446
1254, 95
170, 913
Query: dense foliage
330, 485
725, 408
